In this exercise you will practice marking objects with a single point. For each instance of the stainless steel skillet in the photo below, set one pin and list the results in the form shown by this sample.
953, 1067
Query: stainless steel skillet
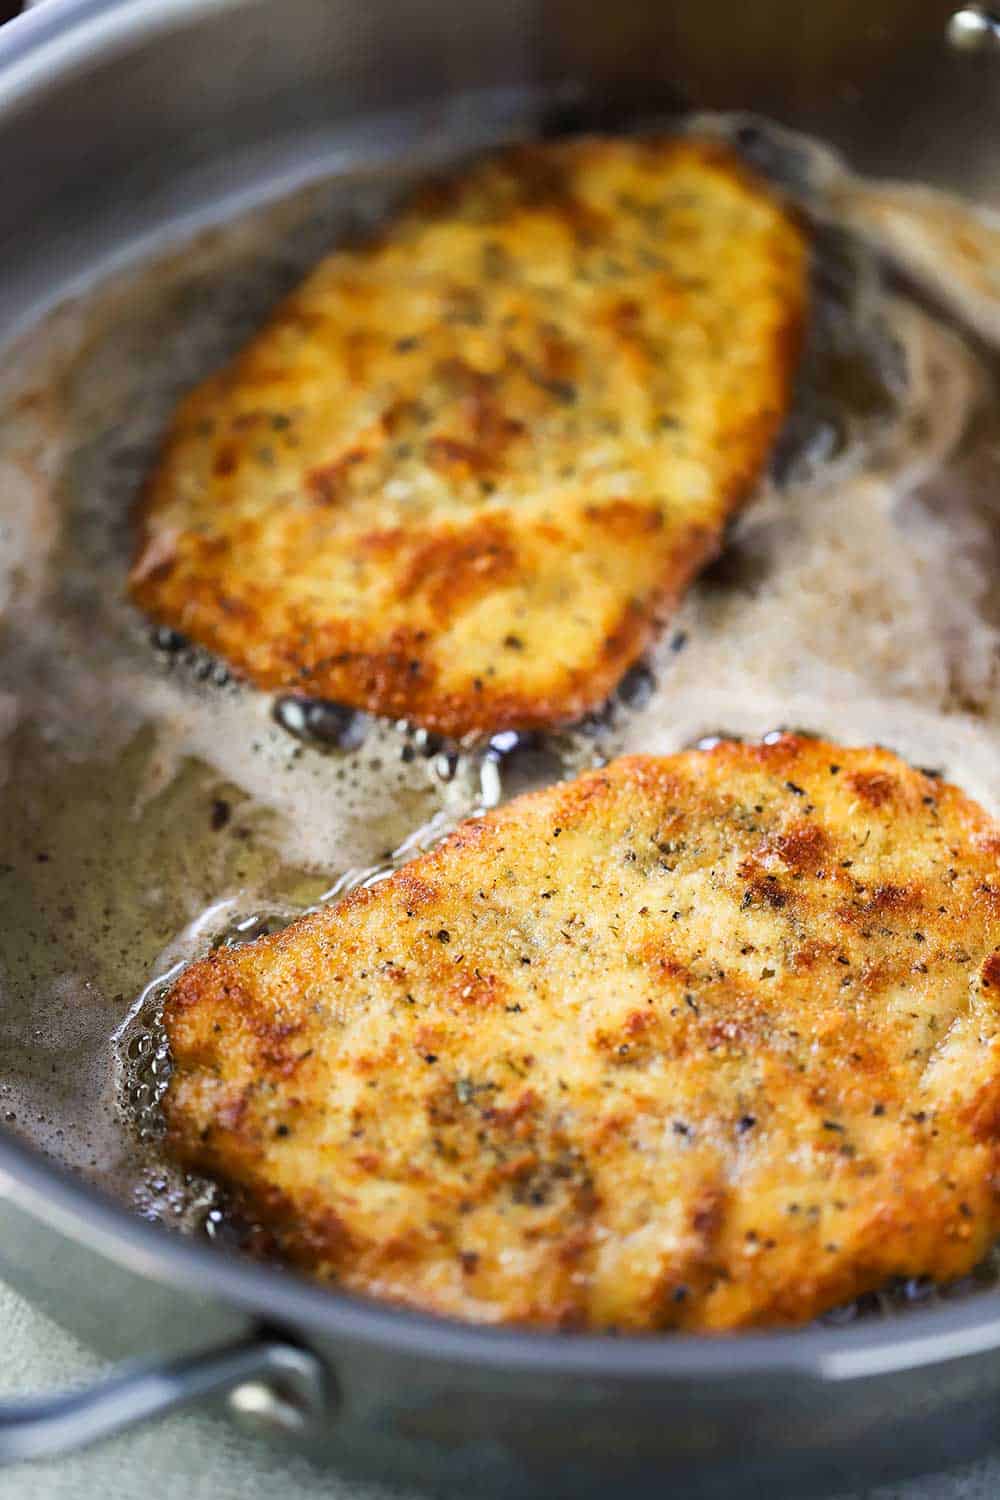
125, 126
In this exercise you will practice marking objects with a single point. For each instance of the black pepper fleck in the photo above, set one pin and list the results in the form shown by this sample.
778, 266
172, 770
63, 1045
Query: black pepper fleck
221, 813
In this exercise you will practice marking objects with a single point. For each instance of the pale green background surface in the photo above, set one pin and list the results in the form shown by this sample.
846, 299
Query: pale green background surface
196, 1458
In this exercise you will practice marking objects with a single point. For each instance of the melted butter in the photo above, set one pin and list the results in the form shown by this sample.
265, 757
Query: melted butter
865, 610
156, 809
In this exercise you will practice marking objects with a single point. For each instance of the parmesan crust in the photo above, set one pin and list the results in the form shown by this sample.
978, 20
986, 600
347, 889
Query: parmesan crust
466, 470
707, 1041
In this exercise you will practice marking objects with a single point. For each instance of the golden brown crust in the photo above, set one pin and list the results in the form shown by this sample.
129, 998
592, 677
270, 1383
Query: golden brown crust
464, 472
703, 1042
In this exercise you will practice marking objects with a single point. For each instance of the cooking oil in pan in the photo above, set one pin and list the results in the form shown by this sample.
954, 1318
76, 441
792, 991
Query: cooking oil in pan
159, 808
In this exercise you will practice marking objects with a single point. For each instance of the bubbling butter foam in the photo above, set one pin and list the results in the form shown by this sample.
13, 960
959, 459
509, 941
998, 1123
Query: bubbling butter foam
158, 808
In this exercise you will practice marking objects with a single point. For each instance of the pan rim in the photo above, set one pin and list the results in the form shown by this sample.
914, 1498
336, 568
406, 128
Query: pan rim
40, 47
48, 43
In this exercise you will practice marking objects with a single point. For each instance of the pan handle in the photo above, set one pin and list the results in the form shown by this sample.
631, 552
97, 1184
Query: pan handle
271, 1386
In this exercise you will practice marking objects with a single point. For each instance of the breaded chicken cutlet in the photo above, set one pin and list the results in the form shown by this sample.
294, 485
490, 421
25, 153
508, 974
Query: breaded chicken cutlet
466, 469
703, 1042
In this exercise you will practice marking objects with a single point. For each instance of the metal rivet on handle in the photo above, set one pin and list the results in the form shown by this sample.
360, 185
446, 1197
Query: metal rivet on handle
974, 28
262, 1407
285, 1403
